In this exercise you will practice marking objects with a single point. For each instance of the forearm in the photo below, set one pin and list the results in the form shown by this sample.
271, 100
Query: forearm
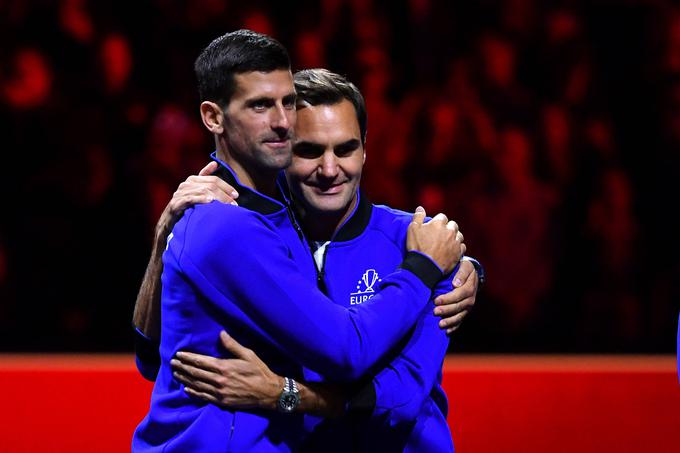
147, 313
325, 400
316, 398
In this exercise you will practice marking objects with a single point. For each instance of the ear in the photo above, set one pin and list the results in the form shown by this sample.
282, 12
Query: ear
364, 161
213, 117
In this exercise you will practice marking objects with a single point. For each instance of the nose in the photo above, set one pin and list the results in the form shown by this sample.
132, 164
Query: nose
281, 120
328, 165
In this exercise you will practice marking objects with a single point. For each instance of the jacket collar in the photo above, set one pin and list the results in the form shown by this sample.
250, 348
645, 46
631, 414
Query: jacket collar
255, 201
357, 221
249, 198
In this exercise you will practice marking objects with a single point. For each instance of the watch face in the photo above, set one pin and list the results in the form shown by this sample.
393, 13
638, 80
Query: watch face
288, 401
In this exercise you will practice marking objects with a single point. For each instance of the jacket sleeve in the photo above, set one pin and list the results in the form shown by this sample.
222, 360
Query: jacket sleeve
147, 355
240, 264
401, 388
397, 392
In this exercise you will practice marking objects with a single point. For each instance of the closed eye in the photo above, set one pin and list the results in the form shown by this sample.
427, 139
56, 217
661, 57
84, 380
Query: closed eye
308, 150
347, 148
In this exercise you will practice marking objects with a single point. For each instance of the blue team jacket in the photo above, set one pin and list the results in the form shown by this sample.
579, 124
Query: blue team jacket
403, 407
248, 270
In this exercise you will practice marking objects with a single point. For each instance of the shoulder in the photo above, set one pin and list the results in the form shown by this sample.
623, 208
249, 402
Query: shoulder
217, 215
391, 223
387, 217
212, 224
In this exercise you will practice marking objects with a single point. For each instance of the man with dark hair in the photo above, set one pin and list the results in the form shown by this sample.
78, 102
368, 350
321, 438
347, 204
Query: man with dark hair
235, 53
248, 270
321, 86
402, 407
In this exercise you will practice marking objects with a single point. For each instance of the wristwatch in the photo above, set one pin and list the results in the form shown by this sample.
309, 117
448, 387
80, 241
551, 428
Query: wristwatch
290, 396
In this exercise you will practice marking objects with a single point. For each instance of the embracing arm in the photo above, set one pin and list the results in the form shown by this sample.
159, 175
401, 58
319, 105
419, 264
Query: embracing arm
246, 382
291, 313
146, 319
397, 392
453, 306
147, 314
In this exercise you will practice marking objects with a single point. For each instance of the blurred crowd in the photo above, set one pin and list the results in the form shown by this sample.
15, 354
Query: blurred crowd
549, 130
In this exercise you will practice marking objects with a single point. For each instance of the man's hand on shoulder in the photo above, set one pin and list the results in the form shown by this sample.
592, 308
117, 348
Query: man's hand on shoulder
439, 239
197, 189
453, 306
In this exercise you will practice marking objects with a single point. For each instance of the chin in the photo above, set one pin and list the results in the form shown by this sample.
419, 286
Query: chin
328, 207
280, 162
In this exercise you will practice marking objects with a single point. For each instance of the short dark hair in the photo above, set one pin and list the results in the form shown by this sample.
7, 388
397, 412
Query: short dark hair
235, 53
323, 87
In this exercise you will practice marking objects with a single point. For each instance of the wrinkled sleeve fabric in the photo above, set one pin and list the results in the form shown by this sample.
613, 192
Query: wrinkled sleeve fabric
397, 392
241, 265
402, 387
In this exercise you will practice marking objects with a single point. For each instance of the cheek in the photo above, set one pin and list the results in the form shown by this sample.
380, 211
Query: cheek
354, 168
294, 178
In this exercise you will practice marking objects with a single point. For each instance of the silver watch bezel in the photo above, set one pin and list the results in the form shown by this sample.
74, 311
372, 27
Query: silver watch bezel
289, 399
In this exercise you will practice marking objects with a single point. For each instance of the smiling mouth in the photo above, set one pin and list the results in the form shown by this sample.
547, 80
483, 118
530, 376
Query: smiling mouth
328, 190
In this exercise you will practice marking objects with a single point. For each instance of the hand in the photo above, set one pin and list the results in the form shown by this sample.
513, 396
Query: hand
240, 383
439, 239
453, 306
202, 188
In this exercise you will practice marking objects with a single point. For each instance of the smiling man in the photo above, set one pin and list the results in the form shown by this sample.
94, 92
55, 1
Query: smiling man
401, 405
248, 270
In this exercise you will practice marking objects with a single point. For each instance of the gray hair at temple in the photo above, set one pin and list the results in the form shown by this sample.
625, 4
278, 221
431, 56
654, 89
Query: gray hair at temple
323, 87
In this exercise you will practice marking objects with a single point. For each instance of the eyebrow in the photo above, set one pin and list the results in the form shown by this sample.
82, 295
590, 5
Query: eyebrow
290, 97
260, 100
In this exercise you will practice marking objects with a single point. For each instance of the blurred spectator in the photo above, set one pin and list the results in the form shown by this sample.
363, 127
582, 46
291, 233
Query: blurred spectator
550, 132
30, 82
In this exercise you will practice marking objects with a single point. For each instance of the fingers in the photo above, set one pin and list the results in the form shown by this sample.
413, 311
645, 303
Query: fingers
459, 235
195, 373
419, 216
464, 270
462, 298
449, 309
446, 310
208, 169
179, 205
453, 322
207, 185
457, 295
203, 362
452, 225
196, 384
201, 395
451, 330
441, 217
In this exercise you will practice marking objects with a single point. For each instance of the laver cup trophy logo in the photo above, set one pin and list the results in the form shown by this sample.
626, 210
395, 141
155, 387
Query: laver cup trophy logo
364, 287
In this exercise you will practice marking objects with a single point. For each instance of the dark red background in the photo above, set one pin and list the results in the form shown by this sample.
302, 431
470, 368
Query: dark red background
548, 130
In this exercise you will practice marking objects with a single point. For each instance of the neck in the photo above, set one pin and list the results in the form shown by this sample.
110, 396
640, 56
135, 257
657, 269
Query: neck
319, 226
249, 177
